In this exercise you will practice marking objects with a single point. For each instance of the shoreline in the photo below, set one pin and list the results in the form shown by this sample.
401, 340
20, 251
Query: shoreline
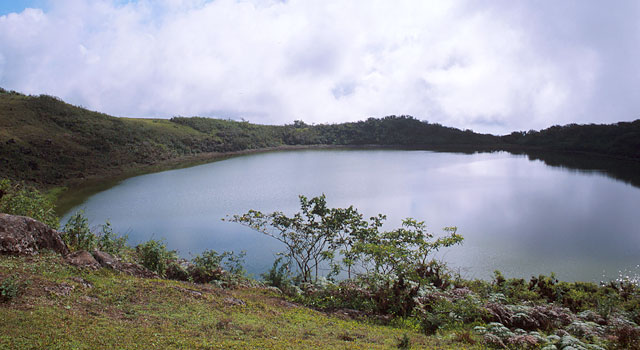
77, 190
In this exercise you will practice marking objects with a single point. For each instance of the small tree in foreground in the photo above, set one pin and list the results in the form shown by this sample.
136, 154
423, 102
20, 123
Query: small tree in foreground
307, 234
314, 234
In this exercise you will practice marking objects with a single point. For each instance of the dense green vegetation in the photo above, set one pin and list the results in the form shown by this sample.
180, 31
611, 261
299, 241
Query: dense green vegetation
47, 142
17, 199
620, 139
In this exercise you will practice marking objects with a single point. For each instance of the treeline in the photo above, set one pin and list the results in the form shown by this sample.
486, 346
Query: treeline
391, 131
620, 139
45, 141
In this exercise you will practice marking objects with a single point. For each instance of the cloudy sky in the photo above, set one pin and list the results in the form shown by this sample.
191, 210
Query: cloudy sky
491, 66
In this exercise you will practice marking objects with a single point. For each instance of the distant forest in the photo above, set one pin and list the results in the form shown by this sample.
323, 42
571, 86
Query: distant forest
48, 142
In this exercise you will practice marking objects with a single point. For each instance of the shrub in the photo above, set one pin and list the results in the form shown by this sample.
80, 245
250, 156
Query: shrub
209, 265
405, 342
76, 233
17, 199
278, 275
206, 267
628, 337
9, 289
110, 242
439, 312
154, 255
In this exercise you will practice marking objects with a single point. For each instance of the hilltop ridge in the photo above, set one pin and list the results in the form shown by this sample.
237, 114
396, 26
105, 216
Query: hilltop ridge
47, 142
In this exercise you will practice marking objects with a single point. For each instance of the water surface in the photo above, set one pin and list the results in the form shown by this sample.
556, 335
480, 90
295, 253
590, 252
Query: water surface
517, 215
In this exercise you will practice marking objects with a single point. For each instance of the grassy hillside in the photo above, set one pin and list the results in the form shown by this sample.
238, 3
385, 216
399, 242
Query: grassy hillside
63, 307
46, 141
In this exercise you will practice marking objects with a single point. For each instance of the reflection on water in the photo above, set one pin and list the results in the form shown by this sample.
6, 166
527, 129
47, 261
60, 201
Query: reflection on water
517, 214
625, 170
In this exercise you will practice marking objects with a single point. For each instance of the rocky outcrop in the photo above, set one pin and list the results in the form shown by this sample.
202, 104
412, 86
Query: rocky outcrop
136, 270
83, 258
98, 259
105, 259
21, 235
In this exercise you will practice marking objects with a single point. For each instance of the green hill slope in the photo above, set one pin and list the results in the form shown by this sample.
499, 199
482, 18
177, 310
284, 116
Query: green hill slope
47, 142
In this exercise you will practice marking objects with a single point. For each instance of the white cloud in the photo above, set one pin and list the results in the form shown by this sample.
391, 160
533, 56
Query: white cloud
487, 68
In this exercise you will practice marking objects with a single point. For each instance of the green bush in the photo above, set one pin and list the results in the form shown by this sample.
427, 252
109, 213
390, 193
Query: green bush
278, 275
110, 242
9, 289
210, 266
154, 255
438, 312
17, 199
404, 342
77, 235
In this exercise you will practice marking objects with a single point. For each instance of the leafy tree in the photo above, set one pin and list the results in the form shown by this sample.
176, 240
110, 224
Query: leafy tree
406, 251
314, 234
307, 234
351, 233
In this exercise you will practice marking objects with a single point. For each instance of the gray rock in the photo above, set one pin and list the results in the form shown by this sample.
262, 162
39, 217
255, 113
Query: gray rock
21, 235
136, 270
84, 259
104, 259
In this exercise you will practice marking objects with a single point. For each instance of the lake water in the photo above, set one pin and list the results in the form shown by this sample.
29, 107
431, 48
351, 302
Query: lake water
519, 216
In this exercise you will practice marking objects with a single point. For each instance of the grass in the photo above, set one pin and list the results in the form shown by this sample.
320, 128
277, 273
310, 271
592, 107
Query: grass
62, 307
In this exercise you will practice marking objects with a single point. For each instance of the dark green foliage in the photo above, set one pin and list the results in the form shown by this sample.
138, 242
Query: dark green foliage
110, 242
620, 139
178, 270
17, 199
154, 255
77, 234
437, 312
10, 288
210, 266
278, 275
